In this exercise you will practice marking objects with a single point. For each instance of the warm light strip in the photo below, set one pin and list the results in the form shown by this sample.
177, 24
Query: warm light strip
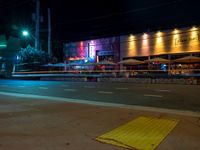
159, 33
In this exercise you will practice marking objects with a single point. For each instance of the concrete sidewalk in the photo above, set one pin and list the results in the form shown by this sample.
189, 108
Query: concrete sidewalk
48, 125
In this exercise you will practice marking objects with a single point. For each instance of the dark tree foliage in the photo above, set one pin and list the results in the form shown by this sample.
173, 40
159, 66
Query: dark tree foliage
31, 55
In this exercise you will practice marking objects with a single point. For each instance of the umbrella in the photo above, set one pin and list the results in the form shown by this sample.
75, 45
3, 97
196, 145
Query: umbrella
188, 59
105, 62
131, 62
158, 60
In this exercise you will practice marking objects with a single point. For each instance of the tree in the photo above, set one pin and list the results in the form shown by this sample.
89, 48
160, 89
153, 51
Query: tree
31, 55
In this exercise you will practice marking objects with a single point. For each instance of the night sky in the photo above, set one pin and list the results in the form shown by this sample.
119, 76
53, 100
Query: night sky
74, 20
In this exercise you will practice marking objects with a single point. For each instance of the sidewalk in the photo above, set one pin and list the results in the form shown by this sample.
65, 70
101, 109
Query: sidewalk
43, 125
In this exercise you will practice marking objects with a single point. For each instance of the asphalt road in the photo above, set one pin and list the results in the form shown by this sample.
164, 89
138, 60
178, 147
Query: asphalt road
179, 97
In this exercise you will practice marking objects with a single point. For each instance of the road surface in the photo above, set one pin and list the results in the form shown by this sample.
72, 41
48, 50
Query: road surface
171, 96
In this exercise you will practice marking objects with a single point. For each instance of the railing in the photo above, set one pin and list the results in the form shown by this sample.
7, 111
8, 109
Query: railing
35, 69
118, 73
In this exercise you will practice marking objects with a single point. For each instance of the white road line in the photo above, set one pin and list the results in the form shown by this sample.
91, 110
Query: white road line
105, 104
21, 86
121, 88
43, 88
70, 90
162, 90
65, 85
148, 95
90, 87
104, 92
4, 85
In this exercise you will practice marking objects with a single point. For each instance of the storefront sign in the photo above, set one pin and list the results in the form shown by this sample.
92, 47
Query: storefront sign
104, 53
180, 41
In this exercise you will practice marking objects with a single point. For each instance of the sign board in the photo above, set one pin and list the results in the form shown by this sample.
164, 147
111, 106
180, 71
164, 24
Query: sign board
3, 42
104, 53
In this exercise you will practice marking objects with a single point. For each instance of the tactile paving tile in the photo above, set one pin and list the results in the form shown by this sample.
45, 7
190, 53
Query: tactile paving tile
143, 133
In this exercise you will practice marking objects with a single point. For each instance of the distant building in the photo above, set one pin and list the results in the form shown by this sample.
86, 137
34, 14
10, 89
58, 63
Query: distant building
8, 50
3, 44
3, 48
169, 44
94, 50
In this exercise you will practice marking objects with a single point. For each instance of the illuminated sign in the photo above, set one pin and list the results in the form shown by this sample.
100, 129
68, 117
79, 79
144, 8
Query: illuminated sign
180, 41
81, 48
3, 42
91, 50
104, 53
3, 45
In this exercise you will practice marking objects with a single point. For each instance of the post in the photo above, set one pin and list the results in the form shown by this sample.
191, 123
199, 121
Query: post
169, 64
88, 53
49, 32
37, 25
149, 57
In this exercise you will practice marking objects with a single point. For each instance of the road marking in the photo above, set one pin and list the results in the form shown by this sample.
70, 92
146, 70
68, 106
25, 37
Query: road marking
162, 90
43, 88
4, 85
64, 85
104, 92
148, 95
105, 104
90, 87
121, 88
70, 90
21, 86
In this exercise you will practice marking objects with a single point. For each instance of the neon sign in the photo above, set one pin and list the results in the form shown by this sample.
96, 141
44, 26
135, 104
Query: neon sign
92, 51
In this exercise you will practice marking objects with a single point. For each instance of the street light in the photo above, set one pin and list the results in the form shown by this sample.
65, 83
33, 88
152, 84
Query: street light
25, 33
28, 35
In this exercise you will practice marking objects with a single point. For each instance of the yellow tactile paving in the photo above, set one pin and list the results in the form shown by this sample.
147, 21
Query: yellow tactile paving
143, 133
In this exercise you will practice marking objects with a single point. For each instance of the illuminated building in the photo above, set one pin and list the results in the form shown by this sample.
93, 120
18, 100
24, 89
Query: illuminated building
183, 41
167, 43
94, 50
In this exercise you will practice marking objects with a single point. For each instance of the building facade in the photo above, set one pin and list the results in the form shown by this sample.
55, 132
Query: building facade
168, 44
8, 50
94, 50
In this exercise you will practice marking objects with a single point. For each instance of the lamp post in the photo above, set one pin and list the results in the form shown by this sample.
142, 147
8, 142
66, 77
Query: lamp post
26, 34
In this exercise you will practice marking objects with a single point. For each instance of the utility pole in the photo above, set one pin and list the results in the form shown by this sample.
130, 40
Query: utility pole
37, 25
49, 32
